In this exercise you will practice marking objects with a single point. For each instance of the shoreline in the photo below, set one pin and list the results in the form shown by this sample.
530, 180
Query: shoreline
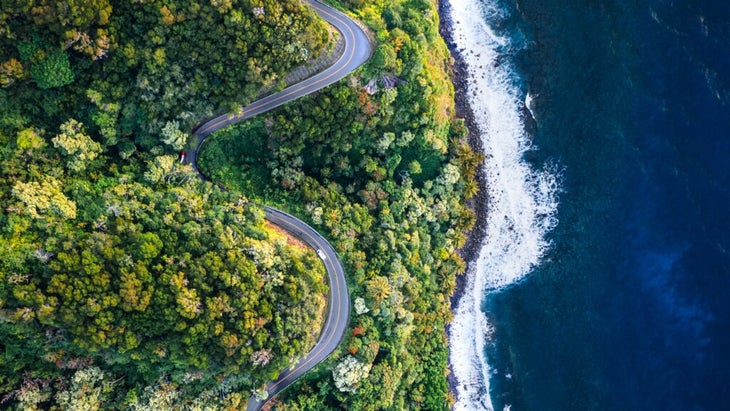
479, 204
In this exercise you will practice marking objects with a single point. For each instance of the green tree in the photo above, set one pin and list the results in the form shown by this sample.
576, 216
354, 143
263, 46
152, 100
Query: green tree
51, 69
384, 56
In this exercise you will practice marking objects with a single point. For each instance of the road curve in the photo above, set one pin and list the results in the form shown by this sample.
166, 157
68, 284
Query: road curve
356, 51
338, 307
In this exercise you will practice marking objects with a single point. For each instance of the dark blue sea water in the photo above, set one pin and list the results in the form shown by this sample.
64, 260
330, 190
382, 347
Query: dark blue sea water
630, 308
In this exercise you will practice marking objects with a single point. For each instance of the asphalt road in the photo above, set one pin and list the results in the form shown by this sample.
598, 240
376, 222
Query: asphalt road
338, 307
356, 51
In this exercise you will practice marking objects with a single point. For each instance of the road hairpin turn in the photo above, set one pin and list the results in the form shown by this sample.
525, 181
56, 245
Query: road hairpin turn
357, 49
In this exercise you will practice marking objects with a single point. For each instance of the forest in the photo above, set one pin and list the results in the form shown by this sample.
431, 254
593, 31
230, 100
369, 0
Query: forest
127, 283
380, 164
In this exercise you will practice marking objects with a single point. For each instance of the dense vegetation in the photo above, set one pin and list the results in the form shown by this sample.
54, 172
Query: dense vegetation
126, 283
138, 70
381, 166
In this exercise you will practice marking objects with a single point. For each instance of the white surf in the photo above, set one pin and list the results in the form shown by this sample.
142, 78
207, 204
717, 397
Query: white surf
522, 201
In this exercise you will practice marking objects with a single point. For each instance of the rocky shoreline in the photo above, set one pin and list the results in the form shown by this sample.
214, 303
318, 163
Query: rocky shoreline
479, 203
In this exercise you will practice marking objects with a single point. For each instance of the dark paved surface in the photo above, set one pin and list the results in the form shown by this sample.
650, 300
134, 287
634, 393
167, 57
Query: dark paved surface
338, 309
357, 51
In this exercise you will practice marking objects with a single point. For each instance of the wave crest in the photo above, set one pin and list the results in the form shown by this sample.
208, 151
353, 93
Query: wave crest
522, 201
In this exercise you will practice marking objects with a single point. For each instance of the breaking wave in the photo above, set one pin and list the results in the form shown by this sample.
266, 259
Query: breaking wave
522, 200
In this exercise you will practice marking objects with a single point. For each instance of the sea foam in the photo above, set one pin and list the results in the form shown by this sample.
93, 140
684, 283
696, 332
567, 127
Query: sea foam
522, 201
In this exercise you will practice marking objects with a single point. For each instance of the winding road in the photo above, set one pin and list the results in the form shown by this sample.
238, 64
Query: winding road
338, 307
356, 51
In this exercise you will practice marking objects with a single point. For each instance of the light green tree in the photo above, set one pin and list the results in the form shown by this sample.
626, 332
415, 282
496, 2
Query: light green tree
86, 391
32, 394
385, 142
172, 135
414, 167
28, 139
159, 168
163, 396
379, 288
78, 147
44, 197
349, 372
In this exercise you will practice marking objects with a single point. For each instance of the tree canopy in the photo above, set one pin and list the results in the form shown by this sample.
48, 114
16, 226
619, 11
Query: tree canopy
381, 165
126, 283
123, 277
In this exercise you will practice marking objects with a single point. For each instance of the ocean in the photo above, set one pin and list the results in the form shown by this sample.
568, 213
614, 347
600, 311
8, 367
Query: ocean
604, 277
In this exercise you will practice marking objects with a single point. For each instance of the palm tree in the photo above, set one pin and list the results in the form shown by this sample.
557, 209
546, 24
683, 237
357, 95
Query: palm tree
379, 288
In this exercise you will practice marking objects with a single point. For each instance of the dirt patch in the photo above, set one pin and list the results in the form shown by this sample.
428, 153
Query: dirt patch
317, 326
290, 239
